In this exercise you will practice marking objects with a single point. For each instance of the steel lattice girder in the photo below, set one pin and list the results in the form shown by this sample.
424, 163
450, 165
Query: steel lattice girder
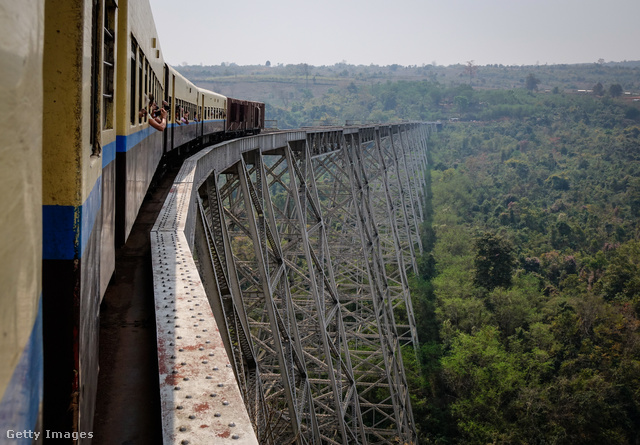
307, 247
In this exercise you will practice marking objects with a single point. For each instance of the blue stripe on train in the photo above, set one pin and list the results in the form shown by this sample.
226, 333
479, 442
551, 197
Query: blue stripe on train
66, 229
20, 403
108, 154
126, 143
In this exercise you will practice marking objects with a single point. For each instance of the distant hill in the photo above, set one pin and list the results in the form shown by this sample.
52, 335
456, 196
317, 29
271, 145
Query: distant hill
299, 95
276, 83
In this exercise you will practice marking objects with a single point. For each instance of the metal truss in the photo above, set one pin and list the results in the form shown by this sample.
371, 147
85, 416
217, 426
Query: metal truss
305, 250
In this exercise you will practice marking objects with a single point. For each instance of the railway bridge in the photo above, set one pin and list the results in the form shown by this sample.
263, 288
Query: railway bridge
280, 273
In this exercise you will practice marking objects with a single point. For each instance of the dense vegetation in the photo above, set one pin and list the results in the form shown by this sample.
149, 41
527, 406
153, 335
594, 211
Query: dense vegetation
529, 295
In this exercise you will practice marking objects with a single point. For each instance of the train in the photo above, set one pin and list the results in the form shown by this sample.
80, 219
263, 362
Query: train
79, 81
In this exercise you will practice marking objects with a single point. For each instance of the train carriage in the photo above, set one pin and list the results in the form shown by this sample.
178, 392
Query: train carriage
79, 156
99, 156
214, 110
79, 144
244, 116
183, 100
140, 78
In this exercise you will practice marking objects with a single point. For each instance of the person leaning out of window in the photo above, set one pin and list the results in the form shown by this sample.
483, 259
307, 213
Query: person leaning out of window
158, 118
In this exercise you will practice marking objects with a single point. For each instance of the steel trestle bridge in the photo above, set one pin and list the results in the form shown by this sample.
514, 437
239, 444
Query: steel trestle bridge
281, 266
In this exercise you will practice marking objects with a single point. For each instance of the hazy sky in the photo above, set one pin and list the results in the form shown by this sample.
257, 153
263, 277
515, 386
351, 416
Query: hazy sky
406, 32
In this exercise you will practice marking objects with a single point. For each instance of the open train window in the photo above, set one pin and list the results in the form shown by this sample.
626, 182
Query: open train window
132, 106
108, 71
141, 85
146, 89
95, 75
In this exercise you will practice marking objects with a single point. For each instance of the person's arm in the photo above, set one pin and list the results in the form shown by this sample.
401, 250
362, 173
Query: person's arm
159, 123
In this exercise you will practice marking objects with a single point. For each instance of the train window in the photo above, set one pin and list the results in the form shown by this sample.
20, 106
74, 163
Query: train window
108, 54
146, 90
95, 75
134, 52
141, 85
157, 90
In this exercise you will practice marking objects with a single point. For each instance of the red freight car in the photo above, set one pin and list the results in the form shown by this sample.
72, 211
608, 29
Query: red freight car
244, 117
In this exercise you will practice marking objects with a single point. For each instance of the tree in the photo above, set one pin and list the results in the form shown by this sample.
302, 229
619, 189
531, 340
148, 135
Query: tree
461, 103
598, 89
532, 82
485, 380
268, 63
470, 69
615, 90
494, 262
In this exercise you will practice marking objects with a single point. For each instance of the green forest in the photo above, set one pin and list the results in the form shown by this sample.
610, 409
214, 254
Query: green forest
527, 298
